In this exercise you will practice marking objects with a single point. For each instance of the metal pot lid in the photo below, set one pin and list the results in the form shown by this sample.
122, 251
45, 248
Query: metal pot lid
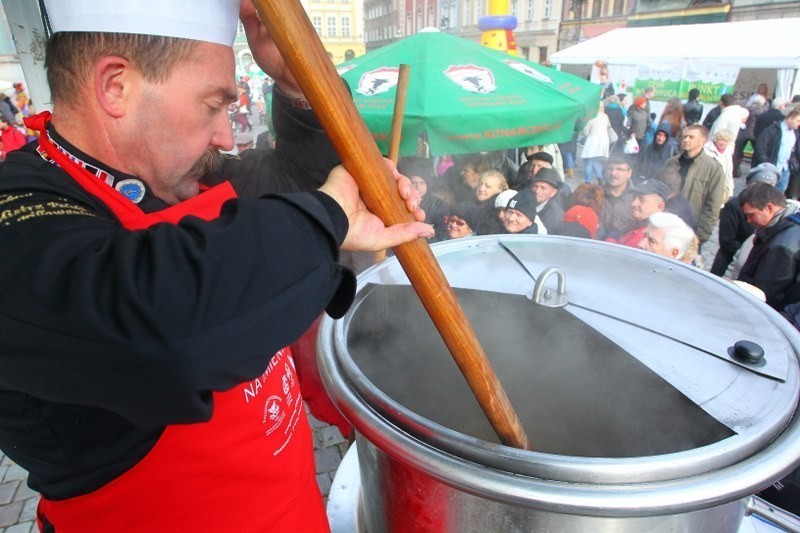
732, 357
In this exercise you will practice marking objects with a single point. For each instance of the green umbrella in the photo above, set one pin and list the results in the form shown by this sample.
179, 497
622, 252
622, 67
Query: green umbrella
466, 97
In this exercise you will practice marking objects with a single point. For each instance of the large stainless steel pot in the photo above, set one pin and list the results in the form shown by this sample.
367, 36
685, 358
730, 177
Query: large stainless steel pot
643, 415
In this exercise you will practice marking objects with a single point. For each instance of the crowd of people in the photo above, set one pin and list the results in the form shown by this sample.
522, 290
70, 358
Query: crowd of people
14, 107
666, 197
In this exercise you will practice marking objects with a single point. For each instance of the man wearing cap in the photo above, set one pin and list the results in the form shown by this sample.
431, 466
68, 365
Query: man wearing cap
615, 217
546, 184
650, 196
773, 264
520, 216
703, 179
734, 229
145, 382
535, 162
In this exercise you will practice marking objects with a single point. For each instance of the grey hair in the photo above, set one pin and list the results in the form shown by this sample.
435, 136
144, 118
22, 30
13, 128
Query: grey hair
722, 135
677, 234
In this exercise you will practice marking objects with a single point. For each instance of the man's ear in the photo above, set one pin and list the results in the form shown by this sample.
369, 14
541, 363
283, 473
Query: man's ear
114, 80
674, 252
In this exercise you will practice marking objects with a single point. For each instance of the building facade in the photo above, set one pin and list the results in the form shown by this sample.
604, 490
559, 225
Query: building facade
537, 30
764, 9
672, 12
383, 22
339, 23
584, 19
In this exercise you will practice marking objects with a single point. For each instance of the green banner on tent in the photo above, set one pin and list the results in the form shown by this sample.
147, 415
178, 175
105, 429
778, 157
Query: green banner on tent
676, 79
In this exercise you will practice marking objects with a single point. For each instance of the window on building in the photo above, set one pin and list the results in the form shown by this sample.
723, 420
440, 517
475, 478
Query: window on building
619, 7
542, 55
513, 8
597, 8
316, 21
432, 17
331, 26
349, 54
345, 26
548, 9
529, 12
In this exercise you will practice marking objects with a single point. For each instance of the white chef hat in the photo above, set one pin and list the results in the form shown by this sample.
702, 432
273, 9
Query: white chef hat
201, 20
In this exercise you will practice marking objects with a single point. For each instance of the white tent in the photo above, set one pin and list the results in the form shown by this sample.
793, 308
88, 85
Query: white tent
756, 44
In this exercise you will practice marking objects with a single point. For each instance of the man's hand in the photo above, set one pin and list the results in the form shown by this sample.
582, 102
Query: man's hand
367, 232
265, 52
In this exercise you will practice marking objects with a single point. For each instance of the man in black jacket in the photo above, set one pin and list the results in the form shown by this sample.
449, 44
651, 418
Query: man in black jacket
770, 116
143, 323
693, 109
734, 228
779, 144
774, 262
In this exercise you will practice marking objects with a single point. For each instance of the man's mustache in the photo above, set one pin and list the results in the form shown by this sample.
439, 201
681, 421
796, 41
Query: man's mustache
210, 161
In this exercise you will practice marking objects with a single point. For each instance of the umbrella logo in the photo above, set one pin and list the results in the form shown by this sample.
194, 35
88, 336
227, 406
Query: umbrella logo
378, 81
529, 71
471, 78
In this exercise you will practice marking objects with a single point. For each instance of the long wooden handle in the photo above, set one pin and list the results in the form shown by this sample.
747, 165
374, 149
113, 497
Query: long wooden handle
395, 134
303, 52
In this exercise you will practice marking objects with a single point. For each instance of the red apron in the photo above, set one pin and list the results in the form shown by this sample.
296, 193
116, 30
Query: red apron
250, 468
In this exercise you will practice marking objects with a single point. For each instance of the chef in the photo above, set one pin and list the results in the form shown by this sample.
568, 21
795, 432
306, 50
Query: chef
145, 385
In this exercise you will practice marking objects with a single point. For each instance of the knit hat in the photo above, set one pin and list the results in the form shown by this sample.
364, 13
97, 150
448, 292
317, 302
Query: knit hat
766, 172
547, 175
640, 101
469, 212
201, 20
585, 216
525, 203
501, 200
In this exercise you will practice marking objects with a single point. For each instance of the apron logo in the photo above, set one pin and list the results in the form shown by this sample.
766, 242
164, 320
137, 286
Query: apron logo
471, 78
378, 81
527, 70
273, 413
131, 189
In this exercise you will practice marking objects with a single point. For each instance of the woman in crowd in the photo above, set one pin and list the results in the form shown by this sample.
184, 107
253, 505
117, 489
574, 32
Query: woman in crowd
471, 170
672, 119
462, 220
717, 147
616, 116
640, 121
491, 183
596, 145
